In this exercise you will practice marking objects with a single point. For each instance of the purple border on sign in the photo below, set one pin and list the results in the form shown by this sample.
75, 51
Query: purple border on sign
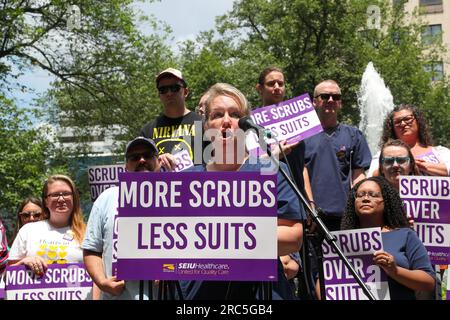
97, 194
306, 134
303, 98
168, 269
269, 120
438, 255
201, 211
367, 262
415, 207
44, 282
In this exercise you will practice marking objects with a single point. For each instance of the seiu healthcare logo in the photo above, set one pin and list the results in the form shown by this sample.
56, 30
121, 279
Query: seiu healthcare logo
168, 267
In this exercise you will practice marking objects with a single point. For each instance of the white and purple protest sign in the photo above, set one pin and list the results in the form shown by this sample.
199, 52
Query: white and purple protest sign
429, 157
103, 177
358, 246
183, 160
427, 201
191, 226
292, 120
60, 282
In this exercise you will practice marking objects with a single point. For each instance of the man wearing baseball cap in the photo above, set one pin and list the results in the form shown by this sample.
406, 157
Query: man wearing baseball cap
140, 156
177, 128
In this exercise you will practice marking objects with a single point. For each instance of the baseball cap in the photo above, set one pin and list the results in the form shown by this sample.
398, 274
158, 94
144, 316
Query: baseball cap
138, 141
171, 71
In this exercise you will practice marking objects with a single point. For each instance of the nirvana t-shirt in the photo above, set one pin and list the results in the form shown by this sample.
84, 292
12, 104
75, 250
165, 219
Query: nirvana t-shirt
173, 135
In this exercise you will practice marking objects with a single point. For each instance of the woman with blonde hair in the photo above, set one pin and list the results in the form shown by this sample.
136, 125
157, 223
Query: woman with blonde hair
225, 105
56, 239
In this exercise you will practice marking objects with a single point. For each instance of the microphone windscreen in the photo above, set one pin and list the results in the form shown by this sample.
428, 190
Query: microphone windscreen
245, 123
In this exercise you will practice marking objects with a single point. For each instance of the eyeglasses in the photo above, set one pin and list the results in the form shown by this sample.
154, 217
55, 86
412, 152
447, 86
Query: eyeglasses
56, 195
173, 88
389, 161
370, 194
138, 156
326, 96
408, 120
27, 215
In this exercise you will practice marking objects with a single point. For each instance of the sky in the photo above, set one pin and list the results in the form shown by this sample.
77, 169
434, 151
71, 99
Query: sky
186, 18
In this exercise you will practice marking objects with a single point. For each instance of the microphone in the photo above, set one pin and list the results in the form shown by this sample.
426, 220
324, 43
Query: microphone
246, 123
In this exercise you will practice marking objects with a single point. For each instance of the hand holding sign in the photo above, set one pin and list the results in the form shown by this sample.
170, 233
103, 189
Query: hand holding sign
386, 261
285, 148
35, 264
112, 285
167, 161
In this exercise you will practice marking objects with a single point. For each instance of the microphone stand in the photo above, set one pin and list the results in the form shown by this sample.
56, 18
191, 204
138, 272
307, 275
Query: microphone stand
331, 239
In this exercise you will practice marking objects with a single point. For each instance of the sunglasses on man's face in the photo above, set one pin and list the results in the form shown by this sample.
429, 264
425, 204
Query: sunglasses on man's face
389, 161
173, 88
326, 96
27, 215
138, 156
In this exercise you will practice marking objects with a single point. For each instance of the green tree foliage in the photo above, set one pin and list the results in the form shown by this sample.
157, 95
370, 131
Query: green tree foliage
314, 40
103, 64
24, 154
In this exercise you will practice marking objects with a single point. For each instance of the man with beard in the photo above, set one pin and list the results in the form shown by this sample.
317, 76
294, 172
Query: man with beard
141, 156
335, 158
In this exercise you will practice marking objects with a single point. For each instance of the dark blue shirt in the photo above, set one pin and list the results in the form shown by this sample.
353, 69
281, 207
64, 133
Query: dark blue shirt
330, 159
409, 253
288, 208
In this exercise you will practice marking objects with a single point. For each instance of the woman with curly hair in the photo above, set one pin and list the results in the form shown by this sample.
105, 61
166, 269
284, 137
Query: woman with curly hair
374, 203
407, 123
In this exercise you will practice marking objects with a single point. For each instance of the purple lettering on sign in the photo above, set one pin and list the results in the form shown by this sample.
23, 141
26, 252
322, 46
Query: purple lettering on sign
216, 217
292, 120
358, 246
427, 202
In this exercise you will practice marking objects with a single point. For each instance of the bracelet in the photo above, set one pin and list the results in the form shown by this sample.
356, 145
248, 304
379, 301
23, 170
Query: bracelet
312, 202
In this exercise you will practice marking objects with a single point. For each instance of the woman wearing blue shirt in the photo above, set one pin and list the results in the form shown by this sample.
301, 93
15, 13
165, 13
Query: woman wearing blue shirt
374, 203
224, 107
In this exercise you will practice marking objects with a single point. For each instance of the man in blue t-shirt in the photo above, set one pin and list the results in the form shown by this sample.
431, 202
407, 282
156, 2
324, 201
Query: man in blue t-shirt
335, 158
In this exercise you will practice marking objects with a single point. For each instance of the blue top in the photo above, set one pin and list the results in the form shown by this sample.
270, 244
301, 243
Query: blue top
330, 159
409, 253
288, 208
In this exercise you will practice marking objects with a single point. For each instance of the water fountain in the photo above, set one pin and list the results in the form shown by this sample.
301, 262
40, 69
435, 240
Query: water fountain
375, 101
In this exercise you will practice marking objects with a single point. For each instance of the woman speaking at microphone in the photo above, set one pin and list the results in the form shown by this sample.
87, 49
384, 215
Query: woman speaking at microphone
224, 107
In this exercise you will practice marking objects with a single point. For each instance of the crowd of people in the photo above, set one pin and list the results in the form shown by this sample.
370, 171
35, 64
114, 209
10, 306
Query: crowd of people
329, 169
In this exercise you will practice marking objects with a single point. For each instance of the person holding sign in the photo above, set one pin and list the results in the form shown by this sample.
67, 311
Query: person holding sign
272, 90
224, 107
374, 203
141, 156
407, 123
57, 239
